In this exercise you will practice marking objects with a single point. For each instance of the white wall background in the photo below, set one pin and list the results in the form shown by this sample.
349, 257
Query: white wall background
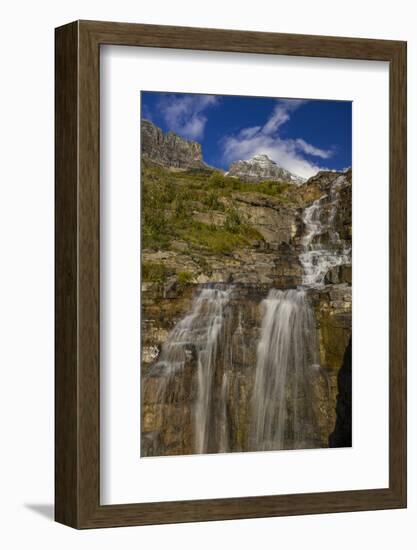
26, 272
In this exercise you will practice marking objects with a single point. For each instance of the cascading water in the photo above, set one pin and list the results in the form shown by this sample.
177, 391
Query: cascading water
214, 347
317, 258
287, 356
202, 337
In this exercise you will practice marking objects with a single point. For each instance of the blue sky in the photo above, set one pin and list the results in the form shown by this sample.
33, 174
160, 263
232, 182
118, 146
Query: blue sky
303, 136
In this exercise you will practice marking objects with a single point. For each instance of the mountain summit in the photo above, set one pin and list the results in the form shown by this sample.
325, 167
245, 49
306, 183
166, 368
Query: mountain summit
169, 149
172, 151
261, 168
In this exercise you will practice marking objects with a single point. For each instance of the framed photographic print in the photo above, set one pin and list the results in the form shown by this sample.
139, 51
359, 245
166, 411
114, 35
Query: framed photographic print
230, 274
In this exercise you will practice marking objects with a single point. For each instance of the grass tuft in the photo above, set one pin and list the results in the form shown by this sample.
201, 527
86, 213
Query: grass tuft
153, 272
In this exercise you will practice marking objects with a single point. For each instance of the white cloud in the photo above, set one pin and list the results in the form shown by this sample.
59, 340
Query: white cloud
281, 114
185, 114
314, 151
247, 133
266, 139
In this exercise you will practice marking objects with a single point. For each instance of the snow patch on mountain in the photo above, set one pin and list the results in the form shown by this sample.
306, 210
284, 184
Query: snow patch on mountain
261, 168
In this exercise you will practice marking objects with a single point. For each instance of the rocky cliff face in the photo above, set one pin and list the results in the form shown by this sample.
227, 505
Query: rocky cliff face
205, 228
261, 168
169, 149
168, 423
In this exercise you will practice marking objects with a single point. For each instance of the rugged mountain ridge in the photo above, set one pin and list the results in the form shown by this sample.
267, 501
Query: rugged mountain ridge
262, 168
169, 149
172, 151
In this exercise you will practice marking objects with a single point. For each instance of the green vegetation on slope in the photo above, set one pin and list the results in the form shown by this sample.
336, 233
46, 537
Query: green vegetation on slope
227, 185
153, 272
172, 200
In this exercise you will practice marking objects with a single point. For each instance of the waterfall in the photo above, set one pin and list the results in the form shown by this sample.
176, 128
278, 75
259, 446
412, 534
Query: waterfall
197, 369
202, 339
287, 355
286, 362
317, 257
212, 321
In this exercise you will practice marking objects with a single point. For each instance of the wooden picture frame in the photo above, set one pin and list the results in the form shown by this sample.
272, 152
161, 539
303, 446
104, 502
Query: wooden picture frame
77, 405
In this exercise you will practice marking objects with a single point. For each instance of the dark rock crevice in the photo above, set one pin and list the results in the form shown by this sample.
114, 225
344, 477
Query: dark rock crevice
342, 434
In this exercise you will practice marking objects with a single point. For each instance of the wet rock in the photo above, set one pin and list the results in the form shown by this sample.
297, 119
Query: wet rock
341, 436
333, 324
339, 274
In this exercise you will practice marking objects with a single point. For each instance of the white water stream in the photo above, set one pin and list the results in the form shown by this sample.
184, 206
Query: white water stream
317, 258
287, 357
205, 333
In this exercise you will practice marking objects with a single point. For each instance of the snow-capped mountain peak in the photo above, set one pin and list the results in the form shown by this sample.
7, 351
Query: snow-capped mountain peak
260, 168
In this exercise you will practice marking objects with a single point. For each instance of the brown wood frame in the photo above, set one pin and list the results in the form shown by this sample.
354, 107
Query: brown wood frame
77, 472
